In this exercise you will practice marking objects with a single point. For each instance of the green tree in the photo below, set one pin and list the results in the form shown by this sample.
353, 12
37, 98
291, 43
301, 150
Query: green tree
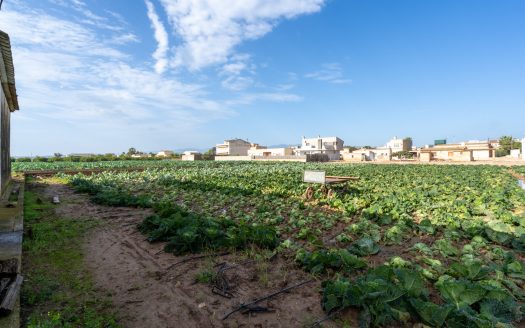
132, 151
403, 155
410, 142
506, 143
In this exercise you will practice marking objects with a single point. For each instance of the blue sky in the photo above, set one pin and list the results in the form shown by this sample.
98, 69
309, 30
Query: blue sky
103, 76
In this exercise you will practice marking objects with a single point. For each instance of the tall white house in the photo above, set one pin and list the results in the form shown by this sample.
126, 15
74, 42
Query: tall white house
332, 146
396, 144
233, 147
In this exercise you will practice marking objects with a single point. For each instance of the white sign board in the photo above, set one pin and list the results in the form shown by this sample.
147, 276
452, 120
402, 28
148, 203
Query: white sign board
314, 176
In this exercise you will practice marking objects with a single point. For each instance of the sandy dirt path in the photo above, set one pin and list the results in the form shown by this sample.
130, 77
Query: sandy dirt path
133, 273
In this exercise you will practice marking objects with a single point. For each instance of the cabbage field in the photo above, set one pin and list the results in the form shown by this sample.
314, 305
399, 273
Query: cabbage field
122, 164
442, 245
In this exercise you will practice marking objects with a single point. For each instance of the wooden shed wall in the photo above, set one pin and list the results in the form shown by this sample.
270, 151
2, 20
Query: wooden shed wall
5, 135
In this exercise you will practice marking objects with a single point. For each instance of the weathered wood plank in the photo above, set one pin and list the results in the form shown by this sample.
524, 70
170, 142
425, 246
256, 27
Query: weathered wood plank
9, 301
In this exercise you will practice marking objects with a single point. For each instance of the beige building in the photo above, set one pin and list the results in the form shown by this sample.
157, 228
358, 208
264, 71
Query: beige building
494, 143
464, 152
165, 153
262, 151
233, 147
331, 146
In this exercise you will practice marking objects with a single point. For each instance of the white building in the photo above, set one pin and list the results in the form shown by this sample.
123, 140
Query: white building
331, 146
233, 147
364, 154
191, 155
164, 153
398, 145
515, 153
140, 155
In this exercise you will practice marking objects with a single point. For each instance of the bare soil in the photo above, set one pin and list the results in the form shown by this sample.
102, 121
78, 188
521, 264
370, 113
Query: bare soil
146, 292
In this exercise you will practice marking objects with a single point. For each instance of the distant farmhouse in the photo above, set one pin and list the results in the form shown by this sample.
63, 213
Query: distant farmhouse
465, 151
233, 147
165, 153
331, 146
8, 104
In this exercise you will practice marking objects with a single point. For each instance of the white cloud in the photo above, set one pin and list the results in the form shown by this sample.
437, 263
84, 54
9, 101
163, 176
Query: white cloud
329, 72
237, 73
36, 29
279, 97
161, 36
124, 39
66, 70
211, 29
89, 17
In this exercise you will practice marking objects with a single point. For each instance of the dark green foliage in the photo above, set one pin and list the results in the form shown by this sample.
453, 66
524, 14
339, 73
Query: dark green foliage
386, 295
187, 232
364, 247
519, 243
335, 259
500, 311
383, 295
110, 195
425, 226
430, 313
462, 292
472, 271
115, 197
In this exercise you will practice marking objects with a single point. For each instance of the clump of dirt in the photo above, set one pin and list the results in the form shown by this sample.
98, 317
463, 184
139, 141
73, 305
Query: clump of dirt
148, 291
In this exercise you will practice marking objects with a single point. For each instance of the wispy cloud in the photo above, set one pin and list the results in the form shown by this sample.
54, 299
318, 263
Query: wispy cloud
278, 97
67, 70
88, 17
237, 73
124, 39
161, 36
210, 29
329, 72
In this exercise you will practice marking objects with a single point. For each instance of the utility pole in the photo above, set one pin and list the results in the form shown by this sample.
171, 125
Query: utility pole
1, 1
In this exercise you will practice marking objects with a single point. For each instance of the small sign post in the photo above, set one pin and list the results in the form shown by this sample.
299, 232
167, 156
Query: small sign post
314, 176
